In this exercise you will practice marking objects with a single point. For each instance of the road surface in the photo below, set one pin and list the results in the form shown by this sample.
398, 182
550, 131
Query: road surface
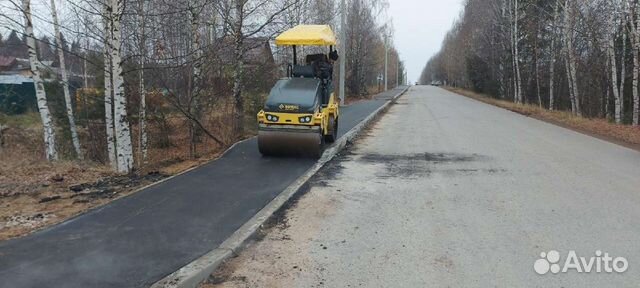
446, 191
137, 240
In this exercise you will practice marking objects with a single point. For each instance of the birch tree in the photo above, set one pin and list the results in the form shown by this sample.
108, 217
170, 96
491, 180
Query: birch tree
65, 83
516, 55
617, 90
623, 61
196, 69
124, 151
552, 64
142, 144
238, 66
570, 60
634, 27
41, 96
108, 90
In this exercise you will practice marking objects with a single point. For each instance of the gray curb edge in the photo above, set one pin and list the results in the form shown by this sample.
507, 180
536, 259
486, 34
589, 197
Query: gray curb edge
199, 270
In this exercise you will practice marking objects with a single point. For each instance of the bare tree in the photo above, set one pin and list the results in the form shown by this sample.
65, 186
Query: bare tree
43, 108
634, 30
516, 55
108, 88
617, 90
552, 50
65, 82
570, 60
124, 151
142, 115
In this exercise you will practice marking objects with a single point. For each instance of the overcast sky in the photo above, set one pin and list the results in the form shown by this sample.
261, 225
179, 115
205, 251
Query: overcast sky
420, 26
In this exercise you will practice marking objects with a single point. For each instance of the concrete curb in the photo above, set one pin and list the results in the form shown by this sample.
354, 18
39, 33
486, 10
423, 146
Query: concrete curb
199, 270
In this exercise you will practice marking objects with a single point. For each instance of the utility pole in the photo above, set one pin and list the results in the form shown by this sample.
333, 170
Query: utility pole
386, 58
343, 47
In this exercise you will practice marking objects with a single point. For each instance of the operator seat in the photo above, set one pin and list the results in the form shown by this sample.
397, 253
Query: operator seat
323, 70
303, 71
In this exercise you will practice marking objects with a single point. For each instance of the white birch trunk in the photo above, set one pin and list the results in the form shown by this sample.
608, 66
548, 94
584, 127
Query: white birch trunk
108, 91
124, 151
566, 35
552, 65
634, 20
41, 96
238, 69
513, 53
517, 55
623, 68
552, 78
571, 59
65, 83
197, 53
614, 81
142, 145
614, 68
84, 66
196, 68
574, 79
570, 83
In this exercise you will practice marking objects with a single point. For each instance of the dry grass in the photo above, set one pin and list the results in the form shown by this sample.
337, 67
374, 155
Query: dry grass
622, 134
24, 183
373, 91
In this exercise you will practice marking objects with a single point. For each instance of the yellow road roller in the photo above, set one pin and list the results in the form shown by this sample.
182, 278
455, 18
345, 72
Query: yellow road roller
302, 111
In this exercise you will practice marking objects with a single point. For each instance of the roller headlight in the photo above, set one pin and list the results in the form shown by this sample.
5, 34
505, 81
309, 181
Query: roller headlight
306, 119
272, 118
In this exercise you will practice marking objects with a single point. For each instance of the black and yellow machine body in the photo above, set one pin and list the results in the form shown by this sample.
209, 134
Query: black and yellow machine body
302, 111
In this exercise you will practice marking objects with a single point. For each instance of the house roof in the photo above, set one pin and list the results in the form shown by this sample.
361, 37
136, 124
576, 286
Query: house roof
7, 61
256, 50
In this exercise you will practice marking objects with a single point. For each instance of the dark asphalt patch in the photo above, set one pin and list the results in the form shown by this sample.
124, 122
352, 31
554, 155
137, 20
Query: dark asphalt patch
108, 187
419, 165
427, 157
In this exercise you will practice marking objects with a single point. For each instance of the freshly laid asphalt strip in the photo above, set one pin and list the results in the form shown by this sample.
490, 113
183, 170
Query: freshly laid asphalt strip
137, 240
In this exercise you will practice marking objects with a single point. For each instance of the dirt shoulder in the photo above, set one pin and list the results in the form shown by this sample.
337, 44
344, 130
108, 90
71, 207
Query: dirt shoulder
624, 135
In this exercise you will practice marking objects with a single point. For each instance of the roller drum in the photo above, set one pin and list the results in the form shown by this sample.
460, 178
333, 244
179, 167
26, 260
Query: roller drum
290, 143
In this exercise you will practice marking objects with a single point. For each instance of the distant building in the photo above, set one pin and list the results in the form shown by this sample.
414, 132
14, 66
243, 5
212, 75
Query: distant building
15, 79
6, 63
10, 65
17, 94
260, 70
257, 51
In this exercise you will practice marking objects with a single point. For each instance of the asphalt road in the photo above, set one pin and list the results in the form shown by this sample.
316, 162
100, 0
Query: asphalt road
446, 191
137, 240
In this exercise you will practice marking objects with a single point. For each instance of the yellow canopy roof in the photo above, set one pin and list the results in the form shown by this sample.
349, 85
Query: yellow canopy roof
312, 35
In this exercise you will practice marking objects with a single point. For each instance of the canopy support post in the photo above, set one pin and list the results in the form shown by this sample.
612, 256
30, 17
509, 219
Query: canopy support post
295, 56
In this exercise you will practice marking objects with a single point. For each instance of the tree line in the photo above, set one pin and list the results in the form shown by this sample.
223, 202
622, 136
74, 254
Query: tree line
580, 56
146, 62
